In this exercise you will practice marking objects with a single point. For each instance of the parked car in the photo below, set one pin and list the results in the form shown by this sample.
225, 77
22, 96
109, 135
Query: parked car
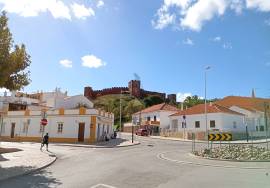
142, 132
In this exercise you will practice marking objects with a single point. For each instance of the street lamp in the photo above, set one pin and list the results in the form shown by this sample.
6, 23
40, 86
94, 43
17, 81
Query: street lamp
205, 105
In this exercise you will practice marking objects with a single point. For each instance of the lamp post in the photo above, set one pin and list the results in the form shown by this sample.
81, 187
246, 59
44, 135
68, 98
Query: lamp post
120, 121
205, 104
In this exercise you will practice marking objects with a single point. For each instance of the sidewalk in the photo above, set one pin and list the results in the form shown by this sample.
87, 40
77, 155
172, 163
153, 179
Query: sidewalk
23, 162
112, 143
214, 142
202, 141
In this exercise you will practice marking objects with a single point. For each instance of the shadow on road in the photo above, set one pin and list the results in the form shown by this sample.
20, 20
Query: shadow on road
112, 142
37, 179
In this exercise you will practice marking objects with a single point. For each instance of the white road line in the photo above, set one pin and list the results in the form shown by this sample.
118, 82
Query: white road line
101, 185
162, 157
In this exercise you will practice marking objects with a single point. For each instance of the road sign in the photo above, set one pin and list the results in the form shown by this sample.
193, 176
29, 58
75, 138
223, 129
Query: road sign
220, 137
44, 122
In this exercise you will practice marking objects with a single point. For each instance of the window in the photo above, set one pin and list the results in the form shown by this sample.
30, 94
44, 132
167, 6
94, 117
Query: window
197, 124
25, 127
41, 128
3, 128
60, 128
234, 124
212, 124
155, 118
174, 124
148, 119
261, 128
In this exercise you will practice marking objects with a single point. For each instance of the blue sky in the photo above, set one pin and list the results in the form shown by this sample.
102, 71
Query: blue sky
76, 43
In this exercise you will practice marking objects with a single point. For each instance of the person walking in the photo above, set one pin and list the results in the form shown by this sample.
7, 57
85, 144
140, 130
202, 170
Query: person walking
45, 141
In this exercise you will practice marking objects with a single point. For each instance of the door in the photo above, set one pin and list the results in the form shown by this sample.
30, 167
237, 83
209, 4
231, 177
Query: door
12, 130
81, 132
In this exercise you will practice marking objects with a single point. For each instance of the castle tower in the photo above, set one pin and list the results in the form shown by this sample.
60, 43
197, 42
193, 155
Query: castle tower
253, 93
134, 87
89, 93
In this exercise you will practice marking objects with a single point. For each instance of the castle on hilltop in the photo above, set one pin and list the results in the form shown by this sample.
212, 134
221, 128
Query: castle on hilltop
134, 89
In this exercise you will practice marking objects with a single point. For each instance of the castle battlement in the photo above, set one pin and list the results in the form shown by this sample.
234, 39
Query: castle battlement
134, 88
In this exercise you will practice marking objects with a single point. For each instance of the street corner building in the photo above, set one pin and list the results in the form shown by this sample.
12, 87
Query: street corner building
70, 119
154, 118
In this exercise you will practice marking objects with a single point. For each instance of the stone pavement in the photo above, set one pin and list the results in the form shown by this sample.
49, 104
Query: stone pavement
112, 143
23, 162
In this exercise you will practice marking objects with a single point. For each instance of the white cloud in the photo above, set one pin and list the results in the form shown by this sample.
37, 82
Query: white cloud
261, 5
202, 11
180, 97
81, 12
188, 41
237, 6
92, 61
193, 14
66, 63
227, 46
216, 39
100, 4
267, 22
3, 90
31, 8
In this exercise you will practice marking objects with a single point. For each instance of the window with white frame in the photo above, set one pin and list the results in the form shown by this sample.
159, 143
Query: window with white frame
234, 125
212, 124
59, 127
197, 124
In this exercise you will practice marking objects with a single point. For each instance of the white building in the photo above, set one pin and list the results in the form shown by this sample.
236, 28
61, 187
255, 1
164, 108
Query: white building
70, 119
256, 110
155, 117
218, 119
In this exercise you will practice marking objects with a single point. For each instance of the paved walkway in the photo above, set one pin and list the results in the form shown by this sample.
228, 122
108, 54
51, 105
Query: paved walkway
25, 161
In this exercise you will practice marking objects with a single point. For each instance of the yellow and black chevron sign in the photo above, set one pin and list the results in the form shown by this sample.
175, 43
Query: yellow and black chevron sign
220, 137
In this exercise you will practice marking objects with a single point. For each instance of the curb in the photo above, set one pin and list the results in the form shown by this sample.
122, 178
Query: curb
162, 157
31, 171
89, 146
205, 142
228, 160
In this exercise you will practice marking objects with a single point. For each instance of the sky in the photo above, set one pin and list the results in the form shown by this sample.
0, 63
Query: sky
168, 43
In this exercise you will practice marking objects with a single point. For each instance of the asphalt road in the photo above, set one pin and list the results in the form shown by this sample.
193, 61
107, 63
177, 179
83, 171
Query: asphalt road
138, 166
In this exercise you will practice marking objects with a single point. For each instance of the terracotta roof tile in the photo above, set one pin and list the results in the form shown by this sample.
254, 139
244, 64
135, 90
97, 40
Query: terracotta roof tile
158, 107
211, 108
248, 103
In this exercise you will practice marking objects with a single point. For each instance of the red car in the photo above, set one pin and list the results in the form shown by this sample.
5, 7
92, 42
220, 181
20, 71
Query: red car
142, 132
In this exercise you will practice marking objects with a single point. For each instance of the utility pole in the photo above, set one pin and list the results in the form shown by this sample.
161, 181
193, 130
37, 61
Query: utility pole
205, 106
120, 121
266, 107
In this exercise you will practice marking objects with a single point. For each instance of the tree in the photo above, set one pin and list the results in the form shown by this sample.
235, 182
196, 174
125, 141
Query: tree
152, 100
14, 59
192, 101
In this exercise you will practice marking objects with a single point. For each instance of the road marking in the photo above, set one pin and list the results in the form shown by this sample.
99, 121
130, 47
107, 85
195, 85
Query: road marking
101, 185
162, 157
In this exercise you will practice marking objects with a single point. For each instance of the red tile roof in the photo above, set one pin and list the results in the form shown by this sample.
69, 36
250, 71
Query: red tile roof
200, 109
248, 103
158, 107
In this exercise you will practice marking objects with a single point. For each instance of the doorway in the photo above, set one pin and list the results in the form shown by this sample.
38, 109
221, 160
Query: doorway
81, 132
12, 130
